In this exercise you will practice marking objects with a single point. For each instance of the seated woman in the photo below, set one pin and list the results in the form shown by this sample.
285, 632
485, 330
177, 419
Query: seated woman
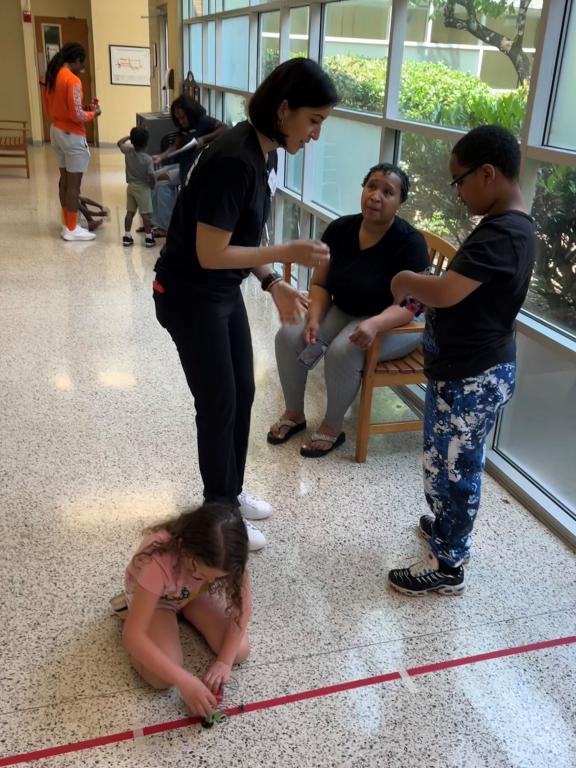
193, 124
350, 303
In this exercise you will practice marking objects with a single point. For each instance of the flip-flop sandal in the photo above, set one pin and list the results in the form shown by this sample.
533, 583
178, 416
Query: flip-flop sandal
316, 453
294, 428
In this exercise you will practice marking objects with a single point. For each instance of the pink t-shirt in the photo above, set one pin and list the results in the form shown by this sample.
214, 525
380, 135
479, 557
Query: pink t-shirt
160, 574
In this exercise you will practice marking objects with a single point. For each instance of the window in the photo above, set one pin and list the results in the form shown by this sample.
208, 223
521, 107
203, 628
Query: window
299, 23
209, 68
234, 52
537, 429
269, 54
355, 50
553, 292
343, 154
432, 203
455, 78
234, 109
196, 51
294, 172
563, 128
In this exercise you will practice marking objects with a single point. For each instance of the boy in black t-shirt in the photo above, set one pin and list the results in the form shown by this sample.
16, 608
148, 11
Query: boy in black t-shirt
469, 350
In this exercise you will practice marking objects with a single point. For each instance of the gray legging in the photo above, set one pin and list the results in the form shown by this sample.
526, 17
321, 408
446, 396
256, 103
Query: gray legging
343, 362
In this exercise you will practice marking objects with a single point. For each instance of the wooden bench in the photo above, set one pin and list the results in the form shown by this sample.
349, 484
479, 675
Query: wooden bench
14, 144
400, 372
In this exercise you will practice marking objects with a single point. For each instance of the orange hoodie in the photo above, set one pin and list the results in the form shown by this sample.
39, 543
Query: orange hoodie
64, 103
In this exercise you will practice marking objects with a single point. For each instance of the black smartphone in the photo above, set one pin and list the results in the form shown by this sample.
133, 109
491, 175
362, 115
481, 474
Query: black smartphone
312, 354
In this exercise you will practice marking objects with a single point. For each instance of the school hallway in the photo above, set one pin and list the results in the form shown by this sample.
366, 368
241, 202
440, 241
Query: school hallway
98, 441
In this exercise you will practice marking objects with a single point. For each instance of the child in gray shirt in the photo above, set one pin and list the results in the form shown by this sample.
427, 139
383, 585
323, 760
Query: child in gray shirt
140, 180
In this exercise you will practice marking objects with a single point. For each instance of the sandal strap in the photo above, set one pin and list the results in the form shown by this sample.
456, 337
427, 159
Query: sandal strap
321, 437
285, 423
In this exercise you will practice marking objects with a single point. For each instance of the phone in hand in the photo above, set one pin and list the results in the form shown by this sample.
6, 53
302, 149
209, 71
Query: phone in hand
312, 354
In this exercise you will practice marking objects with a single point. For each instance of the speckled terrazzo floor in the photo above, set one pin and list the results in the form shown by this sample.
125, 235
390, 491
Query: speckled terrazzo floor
98, 441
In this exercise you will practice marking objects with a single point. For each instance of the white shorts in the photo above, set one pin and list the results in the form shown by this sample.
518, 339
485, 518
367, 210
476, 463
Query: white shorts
71, 150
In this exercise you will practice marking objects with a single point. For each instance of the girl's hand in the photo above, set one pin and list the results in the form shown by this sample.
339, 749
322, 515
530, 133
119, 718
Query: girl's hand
364, 334
400, 285
217, 675
197, 696
290, 303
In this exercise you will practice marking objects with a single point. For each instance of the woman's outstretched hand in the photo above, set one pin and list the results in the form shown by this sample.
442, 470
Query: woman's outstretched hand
308, 253
291, 304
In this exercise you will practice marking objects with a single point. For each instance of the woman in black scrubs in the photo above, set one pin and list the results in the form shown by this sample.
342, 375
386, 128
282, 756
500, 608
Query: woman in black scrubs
213, 243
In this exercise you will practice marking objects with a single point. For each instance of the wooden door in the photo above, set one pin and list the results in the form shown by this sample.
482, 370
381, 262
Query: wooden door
51, 34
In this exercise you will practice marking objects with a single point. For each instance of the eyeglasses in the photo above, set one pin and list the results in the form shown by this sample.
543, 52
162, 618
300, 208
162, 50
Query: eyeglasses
459, 179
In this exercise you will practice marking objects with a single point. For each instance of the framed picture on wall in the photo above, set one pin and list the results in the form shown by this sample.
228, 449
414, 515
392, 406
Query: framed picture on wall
129, 65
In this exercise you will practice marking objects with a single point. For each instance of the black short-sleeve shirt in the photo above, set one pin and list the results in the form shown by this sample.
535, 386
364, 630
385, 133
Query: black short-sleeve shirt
478, 332
359, 280
205, 125
227, 188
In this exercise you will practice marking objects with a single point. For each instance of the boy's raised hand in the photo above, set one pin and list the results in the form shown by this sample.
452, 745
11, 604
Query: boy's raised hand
400, 285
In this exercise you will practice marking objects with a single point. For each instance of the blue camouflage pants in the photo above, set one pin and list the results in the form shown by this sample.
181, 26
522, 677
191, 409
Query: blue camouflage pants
458, 417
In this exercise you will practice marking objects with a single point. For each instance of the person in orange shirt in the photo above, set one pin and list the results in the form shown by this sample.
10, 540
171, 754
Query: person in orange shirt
63, 102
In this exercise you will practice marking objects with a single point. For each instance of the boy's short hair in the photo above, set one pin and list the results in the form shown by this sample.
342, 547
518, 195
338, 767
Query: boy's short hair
387, 168
490, 144
139, 138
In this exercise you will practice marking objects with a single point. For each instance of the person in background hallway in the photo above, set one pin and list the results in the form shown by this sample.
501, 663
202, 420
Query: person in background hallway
196, 129
140, 181
213, 243
63, 101
469, 351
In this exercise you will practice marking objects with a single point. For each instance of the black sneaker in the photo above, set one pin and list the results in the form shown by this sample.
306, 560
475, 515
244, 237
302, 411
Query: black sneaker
425, 526
127, 240
426, 576
149, 241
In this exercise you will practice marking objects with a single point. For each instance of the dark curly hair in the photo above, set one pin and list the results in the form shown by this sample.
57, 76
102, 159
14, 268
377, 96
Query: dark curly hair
191, 108
387, 168
492, 145
68, 54
214, 534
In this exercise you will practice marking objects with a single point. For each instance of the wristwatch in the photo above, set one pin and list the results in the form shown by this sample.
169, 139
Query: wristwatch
269, 280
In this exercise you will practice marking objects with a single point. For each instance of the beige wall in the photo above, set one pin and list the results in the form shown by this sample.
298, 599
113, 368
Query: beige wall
118, 23
80, 9
13, 82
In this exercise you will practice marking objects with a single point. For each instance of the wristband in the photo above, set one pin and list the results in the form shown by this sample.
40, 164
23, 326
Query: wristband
412, 305
267, 282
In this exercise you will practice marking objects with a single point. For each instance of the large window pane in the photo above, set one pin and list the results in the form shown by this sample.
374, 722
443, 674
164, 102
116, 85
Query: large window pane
432, 203
269, 52
342, 156
234, 109
210, 49
355, 50
553, 292
234, 53
230, 5
196, 51
541, 414
461, 69
563, 128
299, 24
294, 172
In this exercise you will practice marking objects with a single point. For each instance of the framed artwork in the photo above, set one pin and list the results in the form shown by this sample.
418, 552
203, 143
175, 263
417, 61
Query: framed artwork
129, 65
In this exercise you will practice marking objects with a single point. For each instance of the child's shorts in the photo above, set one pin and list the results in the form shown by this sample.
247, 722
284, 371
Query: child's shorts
139, 198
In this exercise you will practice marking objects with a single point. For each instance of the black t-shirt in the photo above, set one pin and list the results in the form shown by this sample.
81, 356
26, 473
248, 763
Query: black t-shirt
478, 332
228, 189
205, 125
359, 280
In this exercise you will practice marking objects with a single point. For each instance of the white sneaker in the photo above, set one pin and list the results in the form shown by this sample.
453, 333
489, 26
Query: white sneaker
253, 508
256, 539
76, 234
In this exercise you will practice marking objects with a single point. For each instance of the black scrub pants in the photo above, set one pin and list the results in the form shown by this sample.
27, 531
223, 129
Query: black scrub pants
213, 340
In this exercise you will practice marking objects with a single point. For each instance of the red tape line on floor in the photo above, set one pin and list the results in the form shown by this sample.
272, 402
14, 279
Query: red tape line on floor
350, 685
